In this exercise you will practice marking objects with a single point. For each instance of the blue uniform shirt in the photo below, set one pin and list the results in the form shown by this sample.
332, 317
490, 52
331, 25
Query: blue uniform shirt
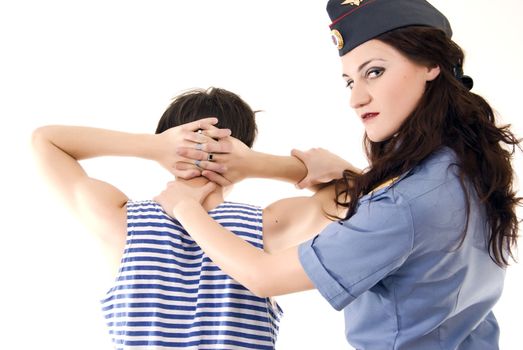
398, 271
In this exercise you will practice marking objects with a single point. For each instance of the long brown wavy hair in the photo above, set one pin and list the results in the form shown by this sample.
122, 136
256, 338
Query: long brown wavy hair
448, 114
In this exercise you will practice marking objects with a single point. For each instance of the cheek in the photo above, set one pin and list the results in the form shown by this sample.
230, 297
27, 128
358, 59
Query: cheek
404, 96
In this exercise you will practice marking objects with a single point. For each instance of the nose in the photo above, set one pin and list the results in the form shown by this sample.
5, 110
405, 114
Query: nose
359, 96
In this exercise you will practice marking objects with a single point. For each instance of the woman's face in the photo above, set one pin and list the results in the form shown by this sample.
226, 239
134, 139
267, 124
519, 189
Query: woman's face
385, 86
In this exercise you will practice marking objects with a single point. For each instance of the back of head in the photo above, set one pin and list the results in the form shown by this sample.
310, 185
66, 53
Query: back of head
232, 112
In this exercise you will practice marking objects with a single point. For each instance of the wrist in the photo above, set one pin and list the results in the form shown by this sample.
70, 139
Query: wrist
257, 165
147, 146
183, 206
283, 168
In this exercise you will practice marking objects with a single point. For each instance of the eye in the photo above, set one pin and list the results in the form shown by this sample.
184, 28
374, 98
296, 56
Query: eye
374, 72
350, 84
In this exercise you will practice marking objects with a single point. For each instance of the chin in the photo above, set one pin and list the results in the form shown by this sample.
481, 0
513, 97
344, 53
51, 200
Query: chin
376, 139
379, 138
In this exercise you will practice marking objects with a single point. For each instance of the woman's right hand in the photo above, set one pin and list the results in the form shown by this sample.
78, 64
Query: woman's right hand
322, 166
177, 192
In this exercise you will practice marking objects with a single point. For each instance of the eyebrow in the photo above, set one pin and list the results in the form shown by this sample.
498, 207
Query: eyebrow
363, 65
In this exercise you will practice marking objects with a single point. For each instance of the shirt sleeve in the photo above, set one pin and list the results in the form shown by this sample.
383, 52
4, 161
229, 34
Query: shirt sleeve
349, 257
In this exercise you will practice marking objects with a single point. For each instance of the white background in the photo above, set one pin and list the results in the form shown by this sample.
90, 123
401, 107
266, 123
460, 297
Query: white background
116, 64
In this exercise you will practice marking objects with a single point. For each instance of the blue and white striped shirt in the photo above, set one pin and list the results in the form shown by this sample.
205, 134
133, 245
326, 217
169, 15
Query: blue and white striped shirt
169, 294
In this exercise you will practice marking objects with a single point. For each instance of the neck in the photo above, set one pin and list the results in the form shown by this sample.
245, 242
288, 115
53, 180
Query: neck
214, 199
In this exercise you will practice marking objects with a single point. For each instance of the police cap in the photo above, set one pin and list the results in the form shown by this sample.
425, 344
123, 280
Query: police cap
357, 21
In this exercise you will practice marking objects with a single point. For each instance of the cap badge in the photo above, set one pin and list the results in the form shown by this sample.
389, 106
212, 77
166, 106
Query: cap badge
337, 39
352, 2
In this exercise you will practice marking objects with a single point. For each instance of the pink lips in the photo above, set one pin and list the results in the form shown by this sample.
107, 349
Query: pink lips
367, 116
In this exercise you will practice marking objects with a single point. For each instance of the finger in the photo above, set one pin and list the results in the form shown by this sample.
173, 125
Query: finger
216, 178
220, 146
204, 143
185, 166
207, 126
298, 154
191, 153
203, 164
217, 133
208, 188
207, 136
200, 137
305, 183
212, 166
199, 124
187, 174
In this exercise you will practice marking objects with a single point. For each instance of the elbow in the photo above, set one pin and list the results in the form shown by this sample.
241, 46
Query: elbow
260, 283
259, 290
36, 136
39, 136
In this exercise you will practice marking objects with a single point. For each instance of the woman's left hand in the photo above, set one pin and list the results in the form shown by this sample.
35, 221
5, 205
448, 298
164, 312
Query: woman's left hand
322, 166
177, 192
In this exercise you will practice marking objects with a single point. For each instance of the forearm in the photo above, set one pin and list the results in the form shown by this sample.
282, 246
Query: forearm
85, 142
223, 247
262, 273
283, 168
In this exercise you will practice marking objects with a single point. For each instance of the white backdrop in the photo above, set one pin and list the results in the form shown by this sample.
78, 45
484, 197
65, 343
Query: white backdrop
116, 64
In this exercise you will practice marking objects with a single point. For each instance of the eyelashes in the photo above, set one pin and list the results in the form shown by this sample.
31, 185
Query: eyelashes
375, 72
371, 73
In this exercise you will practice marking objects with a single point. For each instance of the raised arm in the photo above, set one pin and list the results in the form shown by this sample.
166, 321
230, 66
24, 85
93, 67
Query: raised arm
307, 169
242, 162
99, 205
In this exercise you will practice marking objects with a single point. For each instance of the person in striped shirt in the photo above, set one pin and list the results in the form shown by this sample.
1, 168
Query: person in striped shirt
168, 293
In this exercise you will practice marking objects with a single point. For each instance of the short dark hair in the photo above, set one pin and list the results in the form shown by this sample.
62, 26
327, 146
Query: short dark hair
232, 112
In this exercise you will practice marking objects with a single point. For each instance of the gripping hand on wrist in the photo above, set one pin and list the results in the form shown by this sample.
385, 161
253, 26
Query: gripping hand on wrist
322, 166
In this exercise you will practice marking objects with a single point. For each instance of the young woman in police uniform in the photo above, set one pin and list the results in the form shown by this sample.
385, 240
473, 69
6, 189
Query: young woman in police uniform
418, 262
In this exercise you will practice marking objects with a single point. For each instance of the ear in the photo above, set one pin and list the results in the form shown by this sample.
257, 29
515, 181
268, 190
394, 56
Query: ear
432, 73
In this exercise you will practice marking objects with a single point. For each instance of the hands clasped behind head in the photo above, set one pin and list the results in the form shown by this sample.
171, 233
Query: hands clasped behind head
202, 148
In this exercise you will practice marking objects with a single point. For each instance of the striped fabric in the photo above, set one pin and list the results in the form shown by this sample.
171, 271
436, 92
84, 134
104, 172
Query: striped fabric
170, 295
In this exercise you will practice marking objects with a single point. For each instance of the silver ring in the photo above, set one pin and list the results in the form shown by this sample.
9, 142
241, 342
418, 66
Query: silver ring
198, 163
210, 157
199, 146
